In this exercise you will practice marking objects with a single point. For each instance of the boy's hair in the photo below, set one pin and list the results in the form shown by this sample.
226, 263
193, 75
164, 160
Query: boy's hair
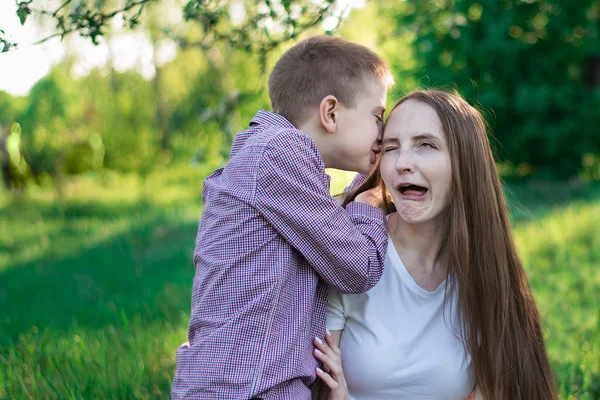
320, 66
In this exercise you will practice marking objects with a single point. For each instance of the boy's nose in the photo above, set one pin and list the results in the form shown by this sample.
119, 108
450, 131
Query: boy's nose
377, 147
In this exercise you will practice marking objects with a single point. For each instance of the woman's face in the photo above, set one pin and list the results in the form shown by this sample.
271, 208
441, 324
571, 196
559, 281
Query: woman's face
415, 164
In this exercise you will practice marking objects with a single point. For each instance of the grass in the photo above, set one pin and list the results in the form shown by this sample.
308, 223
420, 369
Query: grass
95, 287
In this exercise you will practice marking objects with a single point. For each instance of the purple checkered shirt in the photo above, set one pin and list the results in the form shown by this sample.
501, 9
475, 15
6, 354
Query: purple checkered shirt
269, 232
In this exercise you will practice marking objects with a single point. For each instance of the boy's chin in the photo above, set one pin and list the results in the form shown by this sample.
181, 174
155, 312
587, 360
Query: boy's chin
362, 168
370, 166
365, 169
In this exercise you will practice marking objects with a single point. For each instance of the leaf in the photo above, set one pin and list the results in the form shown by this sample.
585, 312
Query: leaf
190, 10
23, 12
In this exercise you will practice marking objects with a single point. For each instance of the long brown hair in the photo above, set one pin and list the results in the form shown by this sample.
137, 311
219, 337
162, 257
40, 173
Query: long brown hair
500, 323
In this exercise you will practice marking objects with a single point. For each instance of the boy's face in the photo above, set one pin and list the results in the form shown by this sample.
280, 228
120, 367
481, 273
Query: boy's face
360, 128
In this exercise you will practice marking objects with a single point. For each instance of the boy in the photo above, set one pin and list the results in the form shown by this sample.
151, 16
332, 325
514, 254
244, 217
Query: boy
270, 229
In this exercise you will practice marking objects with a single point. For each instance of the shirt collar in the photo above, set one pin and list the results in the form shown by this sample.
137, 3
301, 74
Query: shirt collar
264, 117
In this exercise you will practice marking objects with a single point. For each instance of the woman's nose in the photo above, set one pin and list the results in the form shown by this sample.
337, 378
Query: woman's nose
405, 161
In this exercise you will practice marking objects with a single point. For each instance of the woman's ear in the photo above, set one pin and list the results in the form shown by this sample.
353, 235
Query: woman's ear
328, 112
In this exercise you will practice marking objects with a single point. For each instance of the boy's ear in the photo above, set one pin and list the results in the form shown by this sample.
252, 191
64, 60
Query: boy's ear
329, 112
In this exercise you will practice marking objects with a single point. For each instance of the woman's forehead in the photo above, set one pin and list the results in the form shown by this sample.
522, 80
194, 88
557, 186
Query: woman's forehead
413, 117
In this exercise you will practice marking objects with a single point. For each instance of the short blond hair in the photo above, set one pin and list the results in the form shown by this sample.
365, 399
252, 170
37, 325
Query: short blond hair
320, 66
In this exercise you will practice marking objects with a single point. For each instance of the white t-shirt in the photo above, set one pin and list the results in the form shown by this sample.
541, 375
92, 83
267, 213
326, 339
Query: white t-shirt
398, 343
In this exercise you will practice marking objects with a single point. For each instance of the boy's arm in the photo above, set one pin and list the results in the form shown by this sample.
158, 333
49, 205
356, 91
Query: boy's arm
345, 246
357, 181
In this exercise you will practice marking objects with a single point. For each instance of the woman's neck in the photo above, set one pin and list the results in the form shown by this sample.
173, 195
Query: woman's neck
419, 244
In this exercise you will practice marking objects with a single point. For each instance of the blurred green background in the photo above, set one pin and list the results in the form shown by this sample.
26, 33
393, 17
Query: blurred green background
102, 172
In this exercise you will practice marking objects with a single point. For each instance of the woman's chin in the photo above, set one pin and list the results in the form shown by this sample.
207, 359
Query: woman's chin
411, 214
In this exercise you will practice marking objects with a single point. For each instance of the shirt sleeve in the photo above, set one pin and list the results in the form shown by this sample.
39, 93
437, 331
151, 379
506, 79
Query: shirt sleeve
336, 319
345, 246
357, 181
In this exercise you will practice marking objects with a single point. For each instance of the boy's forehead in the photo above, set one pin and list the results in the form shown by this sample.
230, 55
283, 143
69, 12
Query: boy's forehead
374, 91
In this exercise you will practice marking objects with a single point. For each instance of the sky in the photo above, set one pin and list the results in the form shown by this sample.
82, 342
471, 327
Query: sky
21, 68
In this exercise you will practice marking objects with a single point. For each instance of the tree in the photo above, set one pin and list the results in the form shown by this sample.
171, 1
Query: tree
533, 63
234, 26
256, 27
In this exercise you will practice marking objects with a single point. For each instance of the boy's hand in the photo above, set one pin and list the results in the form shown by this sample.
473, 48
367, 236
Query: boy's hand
329, 353
372, 197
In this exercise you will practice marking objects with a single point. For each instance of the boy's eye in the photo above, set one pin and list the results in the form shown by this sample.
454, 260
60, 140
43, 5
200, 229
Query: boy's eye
379, 118
389, 148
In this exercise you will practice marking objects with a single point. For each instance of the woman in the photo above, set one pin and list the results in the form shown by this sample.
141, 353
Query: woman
453, 311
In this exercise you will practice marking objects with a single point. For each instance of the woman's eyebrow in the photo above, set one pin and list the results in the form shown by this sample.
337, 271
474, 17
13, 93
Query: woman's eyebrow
426, 135
389, 140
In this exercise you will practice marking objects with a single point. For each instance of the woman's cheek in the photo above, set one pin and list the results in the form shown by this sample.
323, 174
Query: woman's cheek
387, 170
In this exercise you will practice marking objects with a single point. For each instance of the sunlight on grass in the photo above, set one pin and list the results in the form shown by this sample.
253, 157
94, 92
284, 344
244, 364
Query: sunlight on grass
339, 180
561, 253
131, 360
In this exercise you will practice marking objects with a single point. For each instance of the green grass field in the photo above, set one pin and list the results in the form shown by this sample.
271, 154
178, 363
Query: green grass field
95, 287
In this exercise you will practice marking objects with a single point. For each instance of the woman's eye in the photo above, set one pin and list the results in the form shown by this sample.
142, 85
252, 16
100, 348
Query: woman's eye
428, 145
379, 118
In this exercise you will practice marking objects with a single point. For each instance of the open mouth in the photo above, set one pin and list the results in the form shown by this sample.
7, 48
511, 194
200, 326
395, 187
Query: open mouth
408, 189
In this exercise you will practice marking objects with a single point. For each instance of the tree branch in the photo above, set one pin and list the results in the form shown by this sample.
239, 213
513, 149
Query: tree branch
254, 35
